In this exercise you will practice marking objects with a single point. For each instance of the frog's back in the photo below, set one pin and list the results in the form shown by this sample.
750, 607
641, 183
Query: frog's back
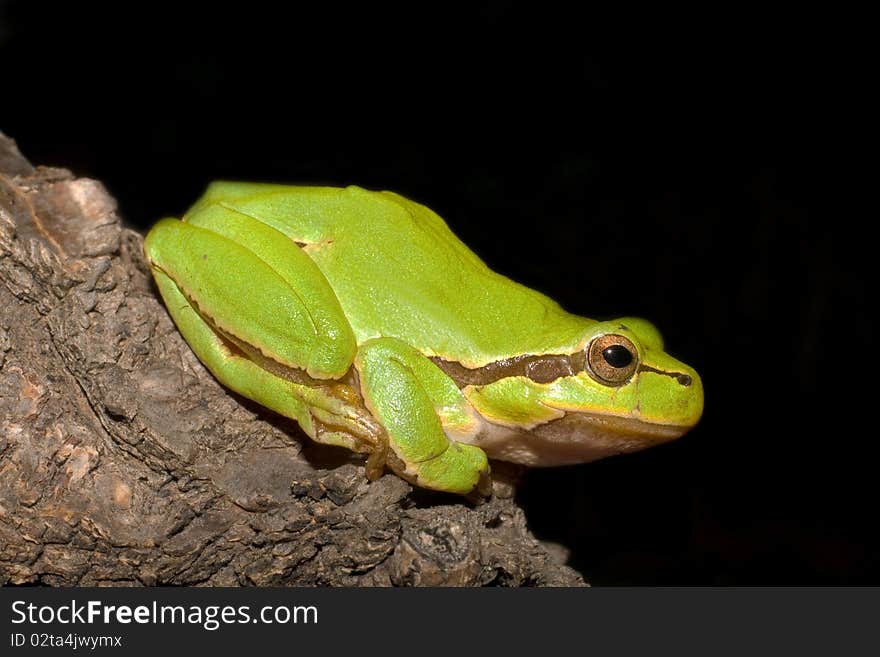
399, 271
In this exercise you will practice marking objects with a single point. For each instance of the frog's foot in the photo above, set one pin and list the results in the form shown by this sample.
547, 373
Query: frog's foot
460, 468
409, 394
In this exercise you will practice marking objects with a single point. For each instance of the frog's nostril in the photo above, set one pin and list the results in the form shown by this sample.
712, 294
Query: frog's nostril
685, 380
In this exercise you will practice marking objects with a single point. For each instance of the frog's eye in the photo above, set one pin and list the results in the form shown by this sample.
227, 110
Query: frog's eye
612, 359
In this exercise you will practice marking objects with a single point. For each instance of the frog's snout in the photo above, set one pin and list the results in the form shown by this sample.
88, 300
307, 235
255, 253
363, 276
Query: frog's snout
671, 394
688, 402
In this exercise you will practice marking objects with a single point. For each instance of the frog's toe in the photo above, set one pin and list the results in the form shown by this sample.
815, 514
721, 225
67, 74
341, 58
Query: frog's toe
458, 469
475, 455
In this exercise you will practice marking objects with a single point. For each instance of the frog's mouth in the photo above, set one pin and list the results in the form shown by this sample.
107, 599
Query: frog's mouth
575, 438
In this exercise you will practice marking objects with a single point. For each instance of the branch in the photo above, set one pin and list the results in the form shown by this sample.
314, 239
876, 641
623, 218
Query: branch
122, 461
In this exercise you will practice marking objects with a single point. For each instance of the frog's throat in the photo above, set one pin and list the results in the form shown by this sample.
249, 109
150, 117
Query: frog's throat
573, 438
540, 369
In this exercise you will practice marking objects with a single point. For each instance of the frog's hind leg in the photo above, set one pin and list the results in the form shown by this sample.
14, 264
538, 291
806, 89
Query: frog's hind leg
269, 327
324, 417
255, 284
409, 395
231, 368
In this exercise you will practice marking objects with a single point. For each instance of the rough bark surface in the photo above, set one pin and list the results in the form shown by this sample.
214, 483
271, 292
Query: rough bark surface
123, 462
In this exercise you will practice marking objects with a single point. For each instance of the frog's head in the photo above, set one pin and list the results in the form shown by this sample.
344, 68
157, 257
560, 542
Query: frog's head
625, 394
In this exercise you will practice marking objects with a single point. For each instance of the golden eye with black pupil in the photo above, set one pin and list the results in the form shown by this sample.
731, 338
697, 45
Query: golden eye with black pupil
612, 359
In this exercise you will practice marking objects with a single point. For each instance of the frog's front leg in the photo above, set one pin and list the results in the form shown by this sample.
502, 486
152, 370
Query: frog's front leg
422, 411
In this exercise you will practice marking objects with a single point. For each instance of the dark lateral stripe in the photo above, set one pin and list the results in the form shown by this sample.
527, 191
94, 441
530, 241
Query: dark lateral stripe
681, 377
540, 369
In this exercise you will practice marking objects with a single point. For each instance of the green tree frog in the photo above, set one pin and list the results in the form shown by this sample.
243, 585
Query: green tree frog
363, 317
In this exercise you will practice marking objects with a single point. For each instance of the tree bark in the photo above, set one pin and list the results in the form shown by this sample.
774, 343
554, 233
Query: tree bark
123, 462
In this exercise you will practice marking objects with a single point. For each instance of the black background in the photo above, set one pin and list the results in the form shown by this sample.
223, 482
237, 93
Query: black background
694, 171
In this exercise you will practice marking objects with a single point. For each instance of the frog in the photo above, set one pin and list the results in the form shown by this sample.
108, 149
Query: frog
360, 315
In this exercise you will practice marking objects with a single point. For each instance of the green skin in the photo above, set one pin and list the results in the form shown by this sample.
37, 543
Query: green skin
355, 312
